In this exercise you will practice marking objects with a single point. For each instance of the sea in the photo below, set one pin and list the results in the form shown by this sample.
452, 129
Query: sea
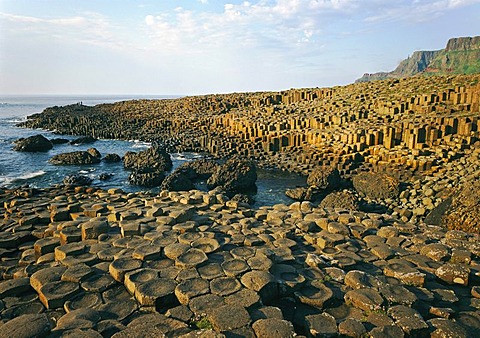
33, 169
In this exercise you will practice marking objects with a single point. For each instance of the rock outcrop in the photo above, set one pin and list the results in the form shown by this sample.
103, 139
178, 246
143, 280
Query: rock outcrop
33, 144
74, 158
376, 186
153, 158
235, 175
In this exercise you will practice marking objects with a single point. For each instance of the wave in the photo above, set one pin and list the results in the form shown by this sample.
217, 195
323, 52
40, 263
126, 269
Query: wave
5, 180
141, 144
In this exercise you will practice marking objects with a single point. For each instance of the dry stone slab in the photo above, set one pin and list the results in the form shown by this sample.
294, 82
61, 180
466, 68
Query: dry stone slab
315, 294
98, 283
364, 299
352, 328
29, 325
235, 267
118, 309
229, 317
190, 288
211, 271
387, 331
224, 286
204, 304
262, 282
94, 228
273, 328
120, 266
54, 295
453, 273
47, 275
207, 245
191, 258
174, 250
133, 279
157, 292
409, 320
83, 300
14, 287
70, 249
147, 252
77, 273
321, 325
245, 297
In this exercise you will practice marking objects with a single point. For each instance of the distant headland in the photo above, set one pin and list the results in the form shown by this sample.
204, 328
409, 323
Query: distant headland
460, 56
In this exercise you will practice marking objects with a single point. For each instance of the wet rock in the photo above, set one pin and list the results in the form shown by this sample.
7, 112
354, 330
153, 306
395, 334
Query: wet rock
94, 152
34, 143
83, 140
77, 180
112, 158
146, 177
74, 158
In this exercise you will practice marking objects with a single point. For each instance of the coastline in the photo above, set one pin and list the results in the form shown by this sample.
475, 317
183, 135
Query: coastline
88, 261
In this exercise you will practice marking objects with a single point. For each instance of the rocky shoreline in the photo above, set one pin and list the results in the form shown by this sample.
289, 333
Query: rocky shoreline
390, 249
91, 263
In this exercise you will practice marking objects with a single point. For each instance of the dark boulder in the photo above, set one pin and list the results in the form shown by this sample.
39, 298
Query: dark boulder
59, 140
74, 158
146, 178
112, 158
324, 178
153, 158
33, 144
341, 199
179, 180
105, 176
236, 175
83, 140
94, 152
200, 169
77, 180
376, 186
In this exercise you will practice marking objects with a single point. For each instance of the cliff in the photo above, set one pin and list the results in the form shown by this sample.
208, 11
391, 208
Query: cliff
460, 56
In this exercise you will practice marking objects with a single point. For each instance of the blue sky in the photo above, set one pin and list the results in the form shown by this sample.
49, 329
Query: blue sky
210, 46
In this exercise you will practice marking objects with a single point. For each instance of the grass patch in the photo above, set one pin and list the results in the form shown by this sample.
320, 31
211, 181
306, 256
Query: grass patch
203, 324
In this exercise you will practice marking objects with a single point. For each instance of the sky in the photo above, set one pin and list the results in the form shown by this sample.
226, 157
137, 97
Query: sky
187, 47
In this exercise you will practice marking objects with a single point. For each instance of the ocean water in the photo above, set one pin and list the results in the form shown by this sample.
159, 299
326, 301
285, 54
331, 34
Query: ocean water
33, 169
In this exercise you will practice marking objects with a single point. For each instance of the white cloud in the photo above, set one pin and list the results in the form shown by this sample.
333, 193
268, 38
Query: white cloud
89, 27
